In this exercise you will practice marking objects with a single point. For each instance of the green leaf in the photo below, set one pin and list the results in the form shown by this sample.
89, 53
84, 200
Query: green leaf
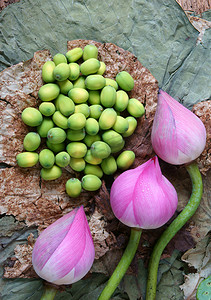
21, 289
89, 288
13, 233
135, 285
85, 289
171, 275
207, 15
157, 32
8, 226
189, 80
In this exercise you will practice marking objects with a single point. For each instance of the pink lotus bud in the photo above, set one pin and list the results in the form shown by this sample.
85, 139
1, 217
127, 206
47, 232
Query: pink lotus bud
178, 135
64, 251
143, 197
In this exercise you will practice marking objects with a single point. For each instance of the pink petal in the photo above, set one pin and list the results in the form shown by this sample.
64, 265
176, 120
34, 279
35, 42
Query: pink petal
63, 261
85, 262
151, 200
163, 137
122, 191
128, 218
148, 197
189, 129
143, 197
50, 239
178, 135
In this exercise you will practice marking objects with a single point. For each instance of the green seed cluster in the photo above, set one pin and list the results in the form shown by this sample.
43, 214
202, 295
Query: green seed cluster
84, 118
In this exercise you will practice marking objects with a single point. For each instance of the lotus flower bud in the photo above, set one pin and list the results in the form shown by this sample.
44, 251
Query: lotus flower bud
143, 197
64, 251
178, 135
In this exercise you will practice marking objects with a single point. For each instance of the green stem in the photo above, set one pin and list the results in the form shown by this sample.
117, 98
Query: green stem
123, 265
174, 227
49, 293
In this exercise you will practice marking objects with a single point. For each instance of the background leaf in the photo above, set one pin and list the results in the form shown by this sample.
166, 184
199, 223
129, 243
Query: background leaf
191, 76
13, 233
170, 276
22, 289
160, 35
157, 32
90, 288
135, 286
200, 259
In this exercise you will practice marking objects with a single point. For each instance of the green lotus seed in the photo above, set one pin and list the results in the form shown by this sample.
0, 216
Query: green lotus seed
48, 91
102, 68
91, 182
60, 120
82, 108
74, 54
90, 139
74, 71
56, 147
94, 170
65, 105
80, 82
90, 51
73, 187
51, 174
100, 149
61, 72
135, 108
91, 126
78, 95
56, 135
65, 86
76, 135
125, 159
47, 108
125, 81
47, 71
76, 149
27, 159
76, 121
109, 165
46, 158
31, 141
62, 159
90, 66
45, 126
95, 82
77, 164
31, 116
59, 58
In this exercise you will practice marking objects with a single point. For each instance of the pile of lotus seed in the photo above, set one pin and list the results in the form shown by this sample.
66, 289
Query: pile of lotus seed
84, 118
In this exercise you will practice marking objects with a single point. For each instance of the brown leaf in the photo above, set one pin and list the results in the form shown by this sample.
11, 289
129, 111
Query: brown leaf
5, 3
202, 110
200, 259
35, 201
198, 6
102, 201
21, 266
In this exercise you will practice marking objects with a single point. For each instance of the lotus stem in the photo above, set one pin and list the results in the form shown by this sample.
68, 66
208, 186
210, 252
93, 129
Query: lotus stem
49, 293
123, 265
174, 227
